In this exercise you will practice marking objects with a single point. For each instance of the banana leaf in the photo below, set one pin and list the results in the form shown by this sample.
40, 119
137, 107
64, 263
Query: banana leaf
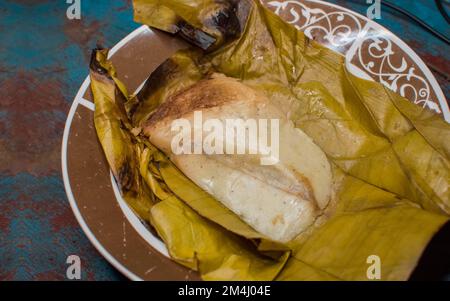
113, 128
390, 158
208, 248
206, 24
366, 221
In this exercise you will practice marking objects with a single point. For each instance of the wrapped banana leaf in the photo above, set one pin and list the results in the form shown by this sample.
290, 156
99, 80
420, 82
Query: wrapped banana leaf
389, 159
137, 165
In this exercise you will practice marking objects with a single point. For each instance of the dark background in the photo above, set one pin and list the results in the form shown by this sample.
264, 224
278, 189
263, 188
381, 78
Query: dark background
43, 61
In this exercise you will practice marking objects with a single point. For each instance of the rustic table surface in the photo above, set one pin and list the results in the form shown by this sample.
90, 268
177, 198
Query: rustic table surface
43, 61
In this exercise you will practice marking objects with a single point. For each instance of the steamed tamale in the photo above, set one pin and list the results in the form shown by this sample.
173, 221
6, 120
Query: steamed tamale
388, 158
279, 200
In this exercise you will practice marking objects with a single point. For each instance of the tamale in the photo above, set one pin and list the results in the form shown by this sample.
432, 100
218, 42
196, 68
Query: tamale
135, 163
279, 200
389, 158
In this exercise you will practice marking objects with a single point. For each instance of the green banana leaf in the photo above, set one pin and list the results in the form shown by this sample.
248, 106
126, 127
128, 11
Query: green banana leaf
390, 158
